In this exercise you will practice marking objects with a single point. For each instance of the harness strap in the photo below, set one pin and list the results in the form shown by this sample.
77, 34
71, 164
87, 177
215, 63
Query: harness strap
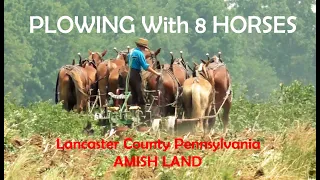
173, 77
177, 63
77, 69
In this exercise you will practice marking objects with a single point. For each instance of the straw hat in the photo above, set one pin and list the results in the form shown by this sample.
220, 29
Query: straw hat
142, 42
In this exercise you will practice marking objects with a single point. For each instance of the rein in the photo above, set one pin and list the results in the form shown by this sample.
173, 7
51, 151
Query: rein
183, 65
106, 74
176, 82
215, 66
100, 56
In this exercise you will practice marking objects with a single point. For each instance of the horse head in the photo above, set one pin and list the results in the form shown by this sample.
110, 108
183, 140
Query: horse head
214, 58
179, 67
200, 70
178, 61
90, 66
96, 56
151, 57
122, 55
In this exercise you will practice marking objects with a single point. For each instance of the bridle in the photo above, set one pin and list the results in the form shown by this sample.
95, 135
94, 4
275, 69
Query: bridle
183, 64
203, 72
92, 59
154, 60
90, 62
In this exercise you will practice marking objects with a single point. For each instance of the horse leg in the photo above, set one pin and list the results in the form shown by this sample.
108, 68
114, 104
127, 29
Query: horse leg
63, 96
65, 92
163, 108
102, 85
225, 116
79, 107
85, 105
207, 120
79, 101
212, 121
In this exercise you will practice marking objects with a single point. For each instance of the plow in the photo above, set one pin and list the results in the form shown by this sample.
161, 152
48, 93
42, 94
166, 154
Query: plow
124, 115
121, 116
115, 118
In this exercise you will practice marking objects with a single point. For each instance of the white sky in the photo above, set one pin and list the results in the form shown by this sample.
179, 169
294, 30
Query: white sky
313, 7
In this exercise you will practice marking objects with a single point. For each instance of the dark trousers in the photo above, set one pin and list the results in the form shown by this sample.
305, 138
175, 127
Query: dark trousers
135, 85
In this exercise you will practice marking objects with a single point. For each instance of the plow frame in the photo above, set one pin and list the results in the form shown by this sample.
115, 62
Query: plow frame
121, 113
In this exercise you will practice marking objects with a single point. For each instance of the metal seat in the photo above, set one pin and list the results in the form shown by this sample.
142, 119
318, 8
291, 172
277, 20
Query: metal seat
113, 109
120, 96
150, 91
134, 107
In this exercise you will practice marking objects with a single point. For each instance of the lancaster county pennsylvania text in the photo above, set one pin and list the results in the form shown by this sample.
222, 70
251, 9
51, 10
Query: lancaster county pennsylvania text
178, 161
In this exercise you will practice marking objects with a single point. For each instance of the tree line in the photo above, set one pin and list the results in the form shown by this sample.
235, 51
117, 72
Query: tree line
257, 62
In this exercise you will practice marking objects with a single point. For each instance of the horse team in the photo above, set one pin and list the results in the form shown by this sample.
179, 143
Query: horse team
201, 91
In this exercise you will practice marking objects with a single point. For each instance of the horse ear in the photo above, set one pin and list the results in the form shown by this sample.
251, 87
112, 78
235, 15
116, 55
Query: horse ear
205, 71
171, 62
73, 62
104, 53
125, 58
203, 61
194, 70
90, 52
195, 64
207, 63
157, 52
158, 65
80, 60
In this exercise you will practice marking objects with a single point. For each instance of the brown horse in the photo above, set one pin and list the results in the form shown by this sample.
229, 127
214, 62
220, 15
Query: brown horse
169, 84
91, 68
198, 96
223, 95
148, 77
113, 80
151, 58
108, 75
65, 88
179, 68
73, 83
96, 56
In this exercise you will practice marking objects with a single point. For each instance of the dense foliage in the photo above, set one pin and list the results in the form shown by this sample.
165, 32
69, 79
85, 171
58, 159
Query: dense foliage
284, 124
257, 62
287, 104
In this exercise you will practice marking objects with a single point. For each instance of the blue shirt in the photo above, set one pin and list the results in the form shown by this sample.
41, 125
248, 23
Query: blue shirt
138, 60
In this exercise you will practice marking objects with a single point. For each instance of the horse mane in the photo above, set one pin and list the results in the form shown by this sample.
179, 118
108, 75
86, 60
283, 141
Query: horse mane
200, 67
215, 59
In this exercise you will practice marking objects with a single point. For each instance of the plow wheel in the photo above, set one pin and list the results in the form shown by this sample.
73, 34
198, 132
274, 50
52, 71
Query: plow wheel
117, 101
118, 123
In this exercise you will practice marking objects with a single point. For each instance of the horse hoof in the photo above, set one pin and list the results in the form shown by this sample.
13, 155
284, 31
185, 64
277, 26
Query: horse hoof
88, 132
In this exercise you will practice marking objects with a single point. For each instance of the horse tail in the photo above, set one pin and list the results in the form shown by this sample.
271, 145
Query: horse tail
95, 85
79, 84
72, 100
196, 100
57, 84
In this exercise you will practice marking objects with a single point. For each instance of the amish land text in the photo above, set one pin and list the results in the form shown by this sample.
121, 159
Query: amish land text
151, 24
178, 161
